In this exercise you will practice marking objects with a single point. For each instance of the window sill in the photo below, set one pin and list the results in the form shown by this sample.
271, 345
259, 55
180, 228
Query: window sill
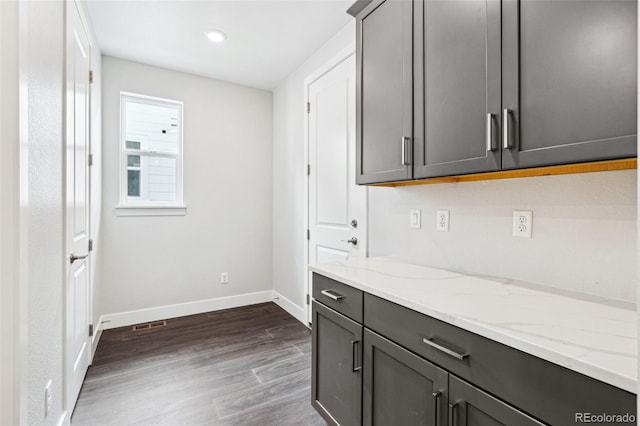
151, 210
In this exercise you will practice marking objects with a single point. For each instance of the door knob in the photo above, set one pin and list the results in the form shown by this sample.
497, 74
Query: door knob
352, 240
73, 257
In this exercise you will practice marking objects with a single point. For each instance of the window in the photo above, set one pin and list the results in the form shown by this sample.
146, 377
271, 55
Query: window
151, 153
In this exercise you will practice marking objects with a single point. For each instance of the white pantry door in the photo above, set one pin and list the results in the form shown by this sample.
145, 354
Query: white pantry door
337, 206
77, 351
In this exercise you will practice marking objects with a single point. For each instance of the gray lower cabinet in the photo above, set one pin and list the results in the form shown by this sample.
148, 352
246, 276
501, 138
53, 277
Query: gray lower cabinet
399, 387
336, 384
470, 406
396, 366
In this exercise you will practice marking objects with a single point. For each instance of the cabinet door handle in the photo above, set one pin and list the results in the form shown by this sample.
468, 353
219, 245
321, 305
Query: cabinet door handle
405, 150
354, 355
436, 407
332, 295
489, 132
445, 350
453, 421
506, 140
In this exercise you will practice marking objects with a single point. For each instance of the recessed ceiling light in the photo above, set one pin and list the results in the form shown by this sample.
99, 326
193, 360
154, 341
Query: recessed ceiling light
216, 36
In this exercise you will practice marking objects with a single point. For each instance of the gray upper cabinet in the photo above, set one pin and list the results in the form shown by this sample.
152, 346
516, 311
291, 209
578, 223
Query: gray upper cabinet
384, 91
453, 87
457, 90
569, 81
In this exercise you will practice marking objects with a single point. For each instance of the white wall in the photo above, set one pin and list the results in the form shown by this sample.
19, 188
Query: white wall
31, 217
584, 230
42, 142
9, 202
289, 170
151, 262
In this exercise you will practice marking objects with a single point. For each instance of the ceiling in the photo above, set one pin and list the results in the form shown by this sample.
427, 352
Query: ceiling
266, 39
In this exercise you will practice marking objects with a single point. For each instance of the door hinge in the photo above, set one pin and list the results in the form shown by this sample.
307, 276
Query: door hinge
90, 244
90, 160
308, 169
308, 299
308, 234
90, 76
90, 330
308, 107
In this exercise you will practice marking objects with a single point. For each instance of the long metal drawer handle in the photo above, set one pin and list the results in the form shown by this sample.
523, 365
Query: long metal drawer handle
506, 114
445, 350
354, 355
332, 295
489, 132
436, 407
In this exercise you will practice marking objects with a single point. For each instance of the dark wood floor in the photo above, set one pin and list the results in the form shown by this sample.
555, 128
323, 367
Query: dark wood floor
243, 366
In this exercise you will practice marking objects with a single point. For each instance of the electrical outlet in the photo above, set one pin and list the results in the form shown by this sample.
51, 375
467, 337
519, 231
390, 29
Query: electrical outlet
414, 219
48, 399
522, 223
442, 220
224, 278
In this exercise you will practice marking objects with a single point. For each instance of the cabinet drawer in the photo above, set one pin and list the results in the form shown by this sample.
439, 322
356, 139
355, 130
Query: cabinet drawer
341, 297
548, 392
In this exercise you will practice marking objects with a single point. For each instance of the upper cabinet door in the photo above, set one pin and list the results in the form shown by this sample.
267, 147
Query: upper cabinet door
569, 81
457, 93
384, 91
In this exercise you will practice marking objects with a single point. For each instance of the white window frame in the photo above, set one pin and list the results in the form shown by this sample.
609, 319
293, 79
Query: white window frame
128, 207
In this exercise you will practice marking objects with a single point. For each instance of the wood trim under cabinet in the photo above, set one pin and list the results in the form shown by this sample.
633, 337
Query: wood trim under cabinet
597, 166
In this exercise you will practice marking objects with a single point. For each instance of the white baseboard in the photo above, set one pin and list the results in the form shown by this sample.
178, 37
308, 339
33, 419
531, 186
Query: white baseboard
296, 311
122, 319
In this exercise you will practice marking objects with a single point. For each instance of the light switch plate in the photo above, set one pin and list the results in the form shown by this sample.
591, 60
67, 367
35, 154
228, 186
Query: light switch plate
414, 219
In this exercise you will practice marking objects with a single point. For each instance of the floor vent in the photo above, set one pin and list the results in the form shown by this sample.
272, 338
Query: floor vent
149, 325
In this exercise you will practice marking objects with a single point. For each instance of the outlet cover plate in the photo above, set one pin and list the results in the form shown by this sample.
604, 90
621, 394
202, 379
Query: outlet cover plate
522, 223
224, 278
442, 220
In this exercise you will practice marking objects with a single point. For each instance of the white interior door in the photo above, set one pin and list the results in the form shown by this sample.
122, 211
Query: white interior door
337, 206
77, 351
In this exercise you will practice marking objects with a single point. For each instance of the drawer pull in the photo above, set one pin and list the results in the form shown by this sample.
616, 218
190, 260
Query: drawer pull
332, 295
506, 116
436, 407
452, 414
445, 350
489, 132
405, 141
354, 354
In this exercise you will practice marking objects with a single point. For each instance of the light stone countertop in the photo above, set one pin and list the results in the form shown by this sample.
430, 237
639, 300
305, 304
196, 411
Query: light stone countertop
593, 337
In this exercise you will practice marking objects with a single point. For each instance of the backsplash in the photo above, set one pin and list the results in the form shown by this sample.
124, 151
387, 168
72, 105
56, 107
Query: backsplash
584, 230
